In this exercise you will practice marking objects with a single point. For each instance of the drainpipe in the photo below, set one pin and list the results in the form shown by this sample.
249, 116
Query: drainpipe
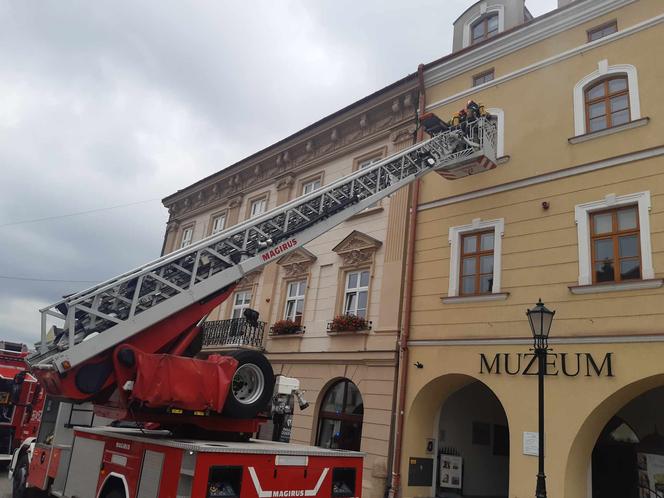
408, 292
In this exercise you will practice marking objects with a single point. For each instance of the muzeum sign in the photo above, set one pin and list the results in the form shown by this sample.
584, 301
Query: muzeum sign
566, 364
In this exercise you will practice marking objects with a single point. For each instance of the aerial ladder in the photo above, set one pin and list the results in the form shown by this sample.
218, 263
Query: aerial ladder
113, 344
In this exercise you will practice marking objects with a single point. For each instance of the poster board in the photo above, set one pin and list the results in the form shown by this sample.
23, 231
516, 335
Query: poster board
451, 471
651, 475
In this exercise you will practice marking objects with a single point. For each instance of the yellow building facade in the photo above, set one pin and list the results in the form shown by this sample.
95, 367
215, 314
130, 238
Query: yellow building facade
573, 214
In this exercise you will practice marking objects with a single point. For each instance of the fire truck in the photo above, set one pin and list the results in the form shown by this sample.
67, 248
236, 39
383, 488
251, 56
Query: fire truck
21, 399
131, 412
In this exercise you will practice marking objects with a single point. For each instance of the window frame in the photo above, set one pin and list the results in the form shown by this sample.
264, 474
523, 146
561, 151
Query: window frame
341, 415
606, 99
604, 70
484, 19
250, 208
300, 297
454, 236
477, 255
356, 290
600, 29
187, 229
483, 76
615, 236
242, 307
582, 214
221, 215
311, 180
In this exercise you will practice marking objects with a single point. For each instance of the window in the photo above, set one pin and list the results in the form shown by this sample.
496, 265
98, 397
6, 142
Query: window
357, 293
584, 95
365, 164
187, 236
241, 301
258, 207
476, 271
218, 223
485, 28
295, 301
614, 240
340, 418
475, 260
485, 77
607, 104
310, 186
601, 31
615, 245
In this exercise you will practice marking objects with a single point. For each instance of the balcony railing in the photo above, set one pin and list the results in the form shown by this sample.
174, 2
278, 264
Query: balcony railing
233, 332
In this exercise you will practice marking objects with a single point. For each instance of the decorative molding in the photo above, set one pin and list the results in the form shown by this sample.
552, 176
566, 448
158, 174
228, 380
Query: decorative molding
603, 70
357, 248
499, 296
249, 279
544, 62
500, 127
369, 123
235, 202
519, 341
547, 177
525, 35
582, 217
285, 182
297, 263
655, 283
609, 131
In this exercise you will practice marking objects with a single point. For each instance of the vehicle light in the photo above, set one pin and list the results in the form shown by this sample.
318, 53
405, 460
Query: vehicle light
177, 411
66, 365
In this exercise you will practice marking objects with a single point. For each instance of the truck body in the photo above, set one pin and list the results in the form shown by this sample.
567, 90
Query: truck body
122, 353
21, 399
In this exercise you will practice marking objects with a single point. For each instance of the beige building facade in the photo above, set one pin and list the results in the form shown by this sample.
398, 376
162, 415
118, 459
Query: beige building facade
573, 214
347, 370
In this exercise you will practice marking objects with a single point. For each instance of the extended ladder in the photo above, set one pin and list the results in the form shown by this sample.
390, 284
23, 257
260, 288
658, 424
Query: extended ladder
107, 314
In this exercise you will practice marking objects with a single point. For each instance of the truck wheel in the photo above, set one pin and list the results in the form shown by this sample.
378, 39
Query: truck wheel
20, 478
252, 385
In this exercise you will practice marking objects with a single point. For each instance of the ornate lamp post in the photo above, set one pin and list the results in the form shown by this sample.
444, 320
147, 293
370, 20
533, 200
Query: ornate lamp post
540, 319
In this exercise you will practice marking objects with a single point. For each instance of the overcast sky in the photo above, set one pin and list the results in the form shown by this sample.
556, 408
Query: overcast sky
106, 104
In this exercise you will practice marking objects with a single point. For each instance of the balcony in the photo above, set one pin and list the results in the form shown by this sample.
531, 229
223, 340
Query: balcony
232, 333
348, 324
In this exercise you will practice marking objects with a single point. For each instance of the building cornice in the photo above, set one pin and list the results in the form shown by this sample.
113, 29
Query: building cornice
546, 177
363, 121
527, 34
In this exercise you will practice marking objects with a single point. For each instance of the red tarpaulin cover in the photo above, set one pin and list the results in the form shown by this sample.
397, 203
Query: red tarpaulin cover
187, 383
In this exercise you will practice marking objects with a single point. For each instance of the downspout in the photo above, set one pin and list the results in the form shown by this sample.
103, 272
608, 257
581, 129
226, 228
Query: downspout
408, 293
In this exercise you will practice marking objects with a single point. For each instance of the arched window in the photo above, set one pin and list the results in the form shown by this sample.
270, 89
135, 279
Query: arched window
340, 418
484, 28
607, 103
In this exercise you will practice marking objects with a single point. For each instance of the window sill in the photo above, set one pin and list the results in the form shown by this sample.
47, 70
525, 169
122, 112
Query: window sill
502, 160
653, 283
368, 211
286, 336
498, 296
349, 332
609, 131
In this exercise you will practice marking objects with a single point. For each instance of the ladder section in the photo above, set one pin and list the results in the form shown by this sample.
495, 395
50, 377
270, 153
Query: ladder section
107, 314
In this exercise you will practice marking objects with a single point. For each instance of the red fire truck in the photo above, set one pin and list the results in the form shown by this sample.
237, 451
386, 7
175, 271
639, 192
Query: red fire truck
132, 412
21, 399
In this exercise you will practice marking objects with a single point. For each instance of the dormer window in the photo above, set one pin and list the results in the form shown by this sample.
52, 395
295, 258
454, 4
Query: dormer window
484, 28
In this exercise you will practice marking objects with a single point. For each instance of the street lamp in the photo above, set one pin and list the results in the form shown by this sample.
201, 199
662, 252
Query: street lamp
540, 319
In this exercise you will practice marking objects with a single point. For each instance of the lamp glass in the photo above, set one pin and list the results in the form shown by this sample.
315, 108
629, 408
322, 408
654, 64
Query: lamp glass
540, 319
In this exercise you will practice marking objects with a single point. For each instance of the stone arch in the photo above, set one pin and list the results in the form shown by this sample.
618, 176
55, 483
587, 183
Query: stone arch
578, 460
428, 404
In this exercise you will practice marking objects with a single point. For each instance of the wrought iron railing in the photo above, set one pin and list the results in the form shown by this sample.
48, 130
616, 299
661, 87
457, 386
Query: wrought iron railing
233, 332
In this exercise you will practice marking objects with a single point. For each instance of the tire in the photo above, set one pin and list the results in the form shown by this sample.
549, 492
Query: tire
20, 477
251, 387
